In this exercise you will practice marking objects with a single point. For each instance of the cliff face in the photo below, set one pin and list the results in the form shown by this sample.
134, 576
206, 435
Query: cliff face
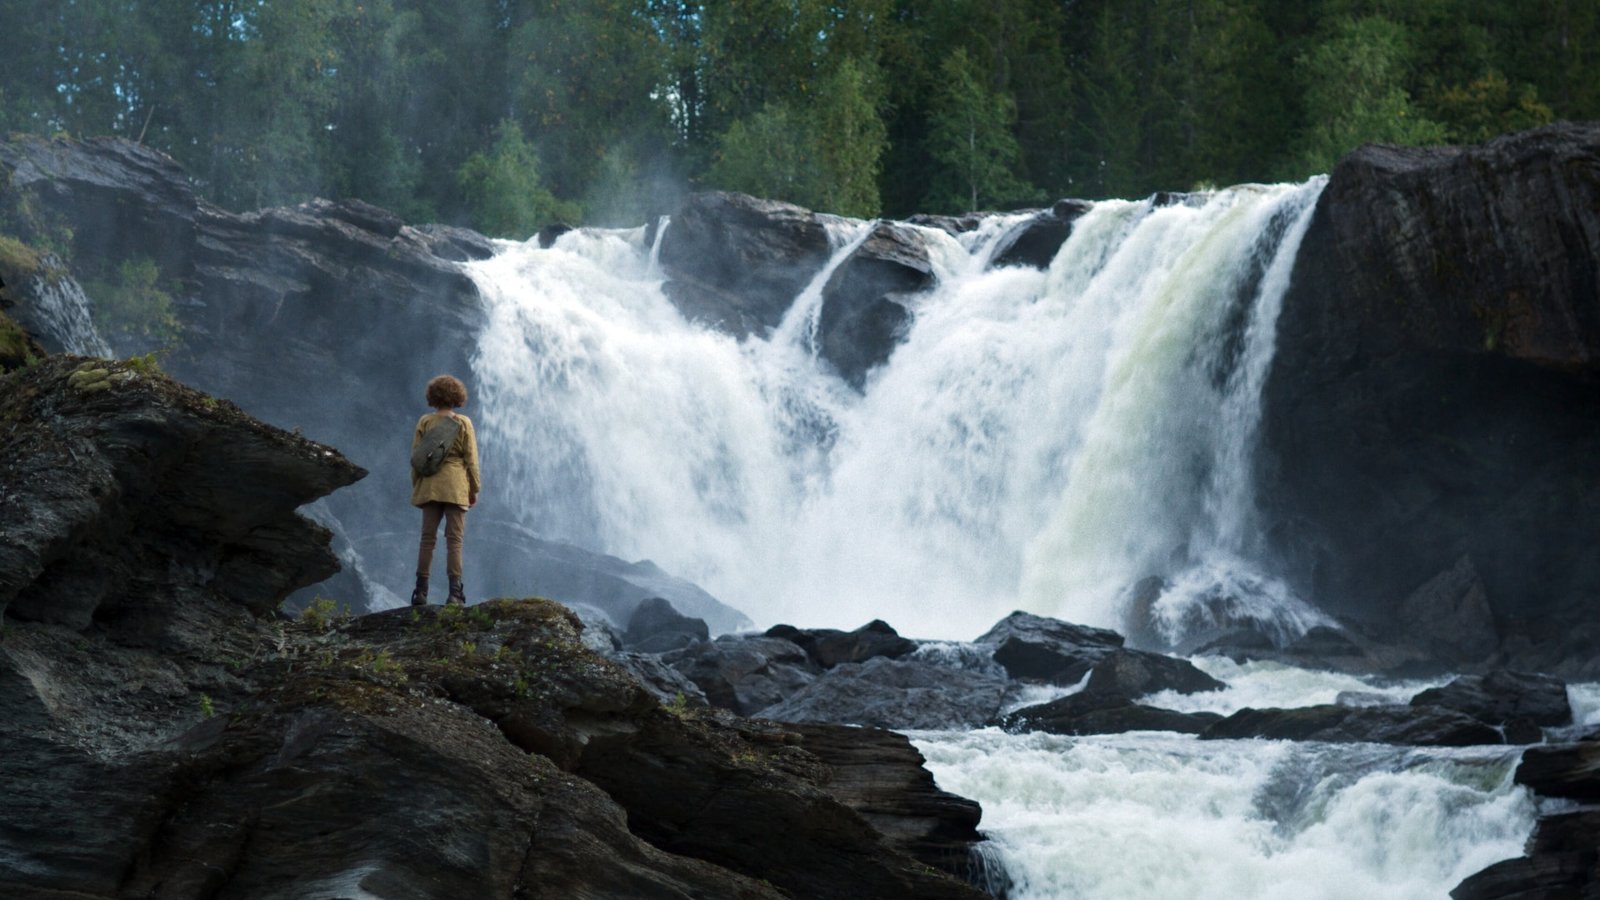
166, 735
1432, 416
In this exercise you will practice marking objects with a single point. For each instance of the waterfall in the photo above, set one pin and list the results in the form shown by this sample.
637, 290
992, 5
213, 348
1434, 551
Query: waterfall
1040, 440
59, 313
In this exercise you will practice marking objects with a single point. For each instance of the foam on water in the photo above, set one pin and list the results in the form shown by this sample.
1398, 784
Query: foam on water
1139, 816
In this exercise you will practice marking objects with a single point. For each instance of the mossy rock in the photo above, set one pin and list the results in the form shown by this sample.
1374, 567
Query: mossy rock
17, 347
18, 261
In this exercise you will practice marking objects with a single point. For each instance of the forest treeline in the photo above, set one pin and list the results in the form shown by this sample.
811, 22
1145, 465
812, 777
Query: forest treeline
508, 114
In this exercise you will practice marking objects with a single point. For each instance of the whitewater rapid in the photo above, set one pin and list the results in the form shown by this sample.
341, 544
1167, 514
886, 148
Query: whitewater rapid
1039, 440
1141, 815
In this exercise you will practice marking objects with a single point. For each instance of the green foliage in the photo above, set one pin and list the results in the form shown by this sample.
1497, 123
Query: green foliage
1487, 106
18, 260
1355, 93
131, 307
825, 155
324, 613
972, 141
150, 364
207, 708
431, 109
503, 190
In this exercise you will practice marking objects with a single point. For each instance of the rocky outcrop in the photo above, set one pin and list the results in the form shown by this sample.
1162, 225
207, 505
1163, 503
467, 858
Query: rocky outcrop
745, 674
1044, 649
829, 647
1420, 726
166, 734
895, 693
1036, 241
864, 302
1134, 673
656, 627
1561, 858
1433, 398
1093, 712
880, 775
736, 262
114, 468
1502, 697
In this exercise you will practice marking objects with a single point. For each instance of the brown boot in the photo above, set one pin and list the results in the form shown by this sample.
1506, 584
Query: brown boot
419, 594
458, 594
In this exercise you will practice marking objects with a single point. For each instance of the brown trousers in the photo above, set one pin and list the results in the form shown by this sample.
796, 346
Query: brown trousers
455, 529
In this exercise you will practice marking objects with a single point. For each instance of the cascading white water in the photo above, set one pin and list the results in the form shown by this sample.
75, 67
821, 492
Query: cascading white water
60, 312
1039, 440
1146, 815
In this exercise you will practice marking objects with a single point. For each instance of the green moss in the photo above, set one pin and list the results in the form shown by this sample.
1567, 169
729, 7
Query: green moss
17, 259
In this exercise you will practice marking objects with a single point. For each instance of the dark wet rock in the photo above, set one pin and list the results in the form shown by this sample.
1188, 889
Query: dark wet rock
548, 234
1323, 647
1432, 397
111, 465
1044, 649
864, 313
1134, 673
1450, 615
1522, 731
1563, 770
1552, 876
895, 693
743, 673
476, 752
656, 627
1361, 698
1562, 861
749, 796
663, 681
1413, 725
736, 262
880, 775
1502, 696
1103, 713
1035, 242
455, 244
829, 647
951, 225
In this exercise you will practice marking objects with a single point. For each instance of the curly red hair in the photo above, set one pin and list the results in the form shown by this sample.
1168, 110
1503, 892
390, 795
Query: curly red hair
446, 390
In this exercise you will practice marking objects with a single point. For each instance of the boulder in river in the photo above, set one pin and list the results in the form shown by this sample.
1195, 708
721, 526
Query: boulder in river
1135, 673
829, 647
1426, 726
1503, 696
895, 693
657, 627
745, 673
1103, 713
1045, 649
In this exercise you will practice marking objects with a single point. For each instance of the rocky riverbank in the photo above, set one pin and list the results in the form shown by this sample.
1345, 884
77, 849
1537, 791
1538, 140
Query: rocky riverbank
167, 733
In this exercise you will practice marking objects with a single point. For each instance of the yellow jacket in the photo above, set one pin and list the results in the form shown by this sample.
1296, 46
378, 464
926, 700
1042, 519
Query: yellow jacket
457, 479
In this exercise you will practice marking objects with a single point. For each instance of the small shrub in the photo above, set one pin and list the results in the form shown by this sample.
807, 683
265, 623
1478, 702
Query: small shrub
131, 305
324, 613
207, 708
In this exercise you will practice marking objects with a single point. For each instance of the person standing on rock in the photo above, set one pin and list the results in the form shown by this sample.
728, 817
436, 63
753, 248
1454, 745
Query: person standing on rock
444, 482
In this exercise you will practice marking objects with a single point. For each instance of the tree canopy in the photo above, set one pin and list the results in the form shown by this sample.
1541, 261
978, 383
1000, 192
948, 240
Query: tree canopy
507, 114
